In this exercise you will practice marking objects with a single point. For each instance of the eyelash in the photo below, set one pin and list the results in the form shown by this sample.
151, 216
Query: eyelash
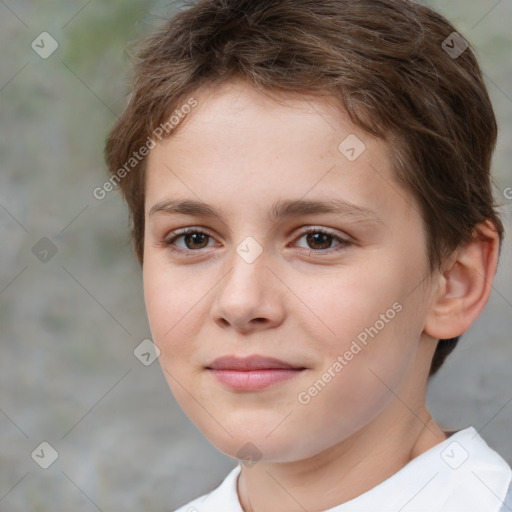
169, 241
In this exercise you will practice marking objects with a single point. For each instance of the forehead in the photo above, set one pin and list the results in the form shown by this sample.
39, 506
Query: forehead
240, 140
237, 104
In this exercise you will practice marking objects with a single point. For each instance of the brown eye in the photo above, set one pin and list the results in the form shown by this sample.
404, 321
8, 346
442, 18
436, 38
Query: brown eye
319, 240
196, 240
188, 240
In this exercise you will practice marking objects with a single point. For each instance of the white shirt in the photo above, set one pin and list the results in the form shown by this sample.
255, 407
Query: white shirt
460, 474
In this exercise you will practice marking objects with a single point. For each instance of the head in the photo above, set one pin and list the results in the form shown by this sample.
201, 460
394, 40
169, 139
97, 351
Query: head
243, 104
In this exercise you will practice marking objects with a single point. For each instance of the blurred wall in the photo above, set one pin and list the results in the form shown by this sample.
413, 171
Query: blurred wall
71, 303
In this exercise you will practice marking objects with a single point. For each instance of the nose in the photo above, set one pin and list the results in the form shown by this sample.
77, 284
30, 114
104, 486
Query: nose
250, 296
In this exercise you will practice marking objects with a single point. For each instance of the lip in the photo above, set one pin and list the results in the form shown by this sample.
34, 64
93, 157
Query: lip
254, 362
252, 373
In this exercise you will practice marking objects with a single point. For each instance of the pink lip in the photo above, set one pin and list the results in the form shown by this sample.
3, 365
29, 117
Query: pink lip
252, 373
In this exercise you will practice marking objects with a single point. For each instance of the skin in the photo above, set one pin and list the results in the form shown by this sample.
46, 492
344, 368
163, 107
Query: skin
240, 151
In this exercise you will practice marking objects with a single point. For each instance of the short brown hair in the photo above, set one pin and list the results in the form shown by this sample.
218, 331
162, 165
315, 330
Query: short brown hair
389, 63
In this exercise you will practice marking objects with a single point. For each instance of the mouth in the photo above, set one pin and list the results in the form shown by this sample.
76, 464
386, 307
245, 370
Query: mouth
252, 373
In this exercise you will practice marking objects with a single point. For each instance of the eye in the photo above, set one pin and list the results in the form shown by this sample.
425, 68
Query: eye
188, 241
193, 240
319, 239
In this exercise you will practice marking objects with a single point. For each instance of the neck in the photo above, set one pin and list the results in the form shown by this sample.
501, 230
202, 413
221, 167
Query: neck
344, 471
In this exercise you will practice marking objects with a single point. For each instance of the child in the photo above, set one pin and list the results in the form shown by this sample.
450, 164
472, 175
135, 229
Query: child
331, 160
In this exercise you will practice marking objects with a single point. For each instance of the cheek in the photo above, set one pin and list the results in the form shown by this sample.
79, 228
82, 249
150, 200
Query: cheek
350, 303
363, 365
372, 320
169, 305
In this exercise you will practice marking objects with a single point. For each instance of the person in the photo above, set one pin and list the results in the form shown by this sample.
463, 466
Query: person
310, 194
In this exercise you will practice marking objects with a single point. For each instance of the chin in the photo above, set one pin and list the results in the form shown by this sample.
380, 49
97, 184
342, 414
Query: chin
253, 445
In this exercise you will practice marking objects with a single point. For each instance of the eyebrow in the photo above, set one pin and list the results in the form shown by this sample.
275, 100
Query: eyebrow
279, 210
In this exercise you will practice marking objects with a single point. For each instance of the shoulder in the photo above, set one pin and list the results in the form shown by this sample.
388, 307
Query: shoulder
224, 497
507, 503
478, 468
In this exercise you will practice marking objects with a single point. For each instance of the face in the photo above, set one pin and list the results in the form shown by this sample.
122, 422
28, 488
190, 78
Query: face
301, 248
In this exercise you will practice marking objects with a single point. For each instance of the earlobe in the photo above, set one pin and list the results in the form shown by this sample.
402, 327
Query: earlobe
464, 285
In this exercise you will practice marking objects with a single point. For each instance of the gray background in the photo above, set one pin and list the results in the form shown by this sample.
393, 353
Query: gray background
69, 325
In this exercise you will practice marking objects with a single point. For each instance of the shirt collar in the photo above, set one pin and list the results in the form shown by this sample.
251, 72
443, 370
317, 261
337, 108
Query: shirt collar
461, 473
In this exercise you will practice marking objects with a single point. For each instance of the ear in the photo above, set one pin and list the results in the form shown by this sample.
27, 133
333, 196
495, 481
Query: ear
465, 283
